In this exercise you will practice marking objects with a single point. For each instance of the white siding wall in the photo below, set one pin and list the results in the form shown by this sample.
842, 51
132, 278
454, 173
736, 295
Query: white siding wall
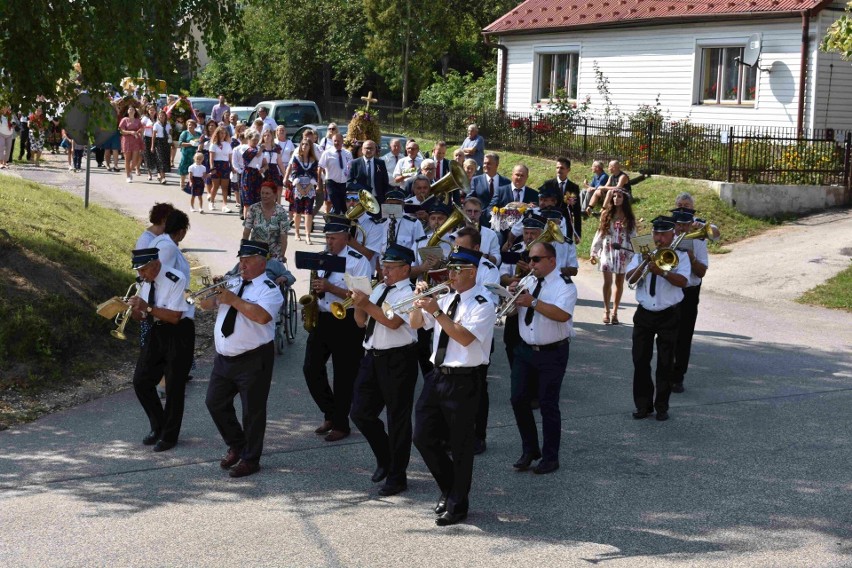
665, 60
833, 108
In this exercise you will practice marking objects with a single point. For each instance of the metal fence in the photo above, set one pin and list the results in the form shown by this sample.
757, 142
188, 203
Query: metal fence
747, 154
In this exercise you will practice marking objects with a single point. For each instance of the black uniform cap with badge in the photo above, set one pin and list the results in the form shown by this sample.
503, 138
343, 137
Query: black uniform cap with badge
253, 248
141, 257
683, 216
663, 224
550, 191
461, 258
397, 253
440, 208
395, 195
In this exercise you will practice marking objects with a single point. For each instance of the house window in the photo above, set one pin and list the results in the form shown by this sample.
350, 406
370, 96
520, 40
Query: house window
724, 80
558, 71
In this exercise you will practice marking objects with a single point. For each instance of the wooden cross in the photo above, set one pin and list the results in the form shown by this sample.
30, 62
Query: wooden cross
369, 99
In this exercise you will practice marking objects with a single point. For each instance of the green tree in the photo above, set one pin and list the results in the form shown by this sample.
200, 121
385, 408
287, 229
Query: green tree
41, 39
839, 35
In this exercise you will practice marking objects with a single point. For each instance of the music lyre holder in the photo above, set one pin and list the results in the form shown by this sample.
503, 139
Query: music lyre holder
318, 261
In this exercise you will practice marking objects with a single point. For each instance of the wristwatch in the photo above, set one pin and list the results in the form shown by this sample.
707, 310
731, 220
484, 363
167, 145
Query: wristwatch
666, 274
534, 303
149, 309
437, 313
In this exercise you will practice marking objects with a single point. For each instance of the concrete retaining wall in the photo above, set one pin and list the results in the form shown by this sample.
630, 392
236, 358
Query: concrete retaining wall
773, 200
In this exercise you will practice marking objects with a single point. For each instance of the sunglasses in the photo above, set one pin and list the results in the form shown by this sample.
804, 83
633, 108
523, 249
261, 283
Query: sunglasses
538, 258
459, 268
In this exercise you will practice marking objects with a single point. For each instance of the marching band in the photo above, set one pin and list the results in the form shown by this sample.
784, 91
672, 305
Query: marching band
391, 294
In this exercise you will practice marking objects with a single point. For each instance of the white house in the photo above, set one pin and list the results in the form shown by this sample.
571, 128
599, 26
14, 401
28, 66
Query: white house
685, 51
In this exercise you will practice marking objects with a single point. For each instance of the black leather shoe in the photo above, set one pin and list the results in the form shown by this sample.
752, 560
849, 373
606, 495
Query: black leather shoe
526, 460
447, 518
677, 387
244, 468
441, 506
231, 458
163, 446
387, 489
325, 427
479, 447
151, 438
379, 474
546, 467
640, 414
662, 416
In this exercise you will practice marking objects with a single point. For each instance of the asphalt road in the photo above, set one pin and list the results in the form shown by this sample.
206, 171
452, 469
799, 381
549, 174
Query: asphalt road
752, 469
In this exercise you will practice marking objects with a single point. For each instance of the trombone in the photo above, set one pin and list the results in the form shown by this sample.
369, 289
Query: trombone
122, 317
406, 306
523, 285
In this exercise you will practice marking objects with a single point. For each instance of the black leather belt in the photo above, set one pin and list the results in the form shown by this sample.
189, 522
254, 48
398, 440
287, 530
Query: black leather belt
457, 370
246, 354
549, 346
390, 351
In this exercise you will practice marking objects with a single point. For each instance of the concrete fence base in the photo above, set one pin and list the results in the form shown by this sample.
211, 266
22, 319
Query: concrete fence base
773, 200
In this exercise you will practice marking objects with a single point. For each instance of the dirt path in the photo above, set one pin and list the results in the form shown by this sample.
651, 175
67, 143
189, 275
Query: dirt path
784, 262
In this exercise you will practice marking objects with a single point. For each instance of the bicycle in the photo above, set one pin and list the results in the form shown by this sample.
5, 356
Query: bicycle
286, 322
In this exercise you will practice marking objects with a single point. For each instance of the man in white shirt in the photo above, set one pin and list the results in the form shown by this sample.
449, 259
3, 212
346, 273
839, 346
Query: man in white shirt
338, 339
327, 143
699, 260
388, 372
463, 322
334, 164
410, 165
268, 122
545, 309
243, 334
169, 347
659, 295
392, 158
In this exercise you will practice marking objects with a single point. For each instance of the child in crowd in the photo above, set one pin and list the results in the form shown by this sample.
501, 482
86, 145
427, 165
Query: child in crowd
197, 178
78, 151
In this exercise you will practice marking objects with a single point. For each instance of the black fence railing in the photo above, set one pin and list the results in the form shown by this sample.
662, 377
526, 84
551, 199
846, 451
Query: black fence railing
747, 154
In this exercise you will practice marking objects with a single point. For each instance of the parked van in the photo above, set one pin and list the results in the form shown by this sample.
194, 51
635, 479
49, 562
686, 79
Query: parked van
291, 113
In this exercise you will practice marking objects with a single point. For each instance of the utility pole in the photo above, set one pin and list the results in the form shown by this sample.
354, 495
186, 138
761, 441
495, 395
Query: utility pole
405, 61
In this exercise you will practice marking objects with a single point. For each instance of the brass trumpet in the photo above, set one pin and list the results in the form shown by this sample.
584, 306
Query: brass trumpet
406, 306
210, 291
509, 305
122, 317
666, 258
338, 309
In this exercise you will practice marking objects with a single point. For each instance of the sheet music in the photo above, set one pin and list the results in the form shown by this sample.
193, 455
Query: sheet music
361, 283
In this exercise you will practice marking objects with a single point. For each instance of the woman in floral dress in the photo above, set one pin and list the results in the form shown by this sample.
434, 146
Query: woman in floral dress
132, 140
254, 168
268, 221
612, 251
38, 129
305, 180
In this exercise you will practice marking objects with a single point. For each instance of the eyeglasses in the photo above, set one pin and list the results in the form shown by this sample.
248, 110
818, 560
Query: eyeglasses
538, 258
458, 269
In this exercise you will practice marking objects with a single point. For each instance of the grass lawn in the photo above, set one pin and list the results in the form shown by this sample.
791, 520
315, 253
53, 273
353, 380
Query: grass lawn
59, 261
833, 293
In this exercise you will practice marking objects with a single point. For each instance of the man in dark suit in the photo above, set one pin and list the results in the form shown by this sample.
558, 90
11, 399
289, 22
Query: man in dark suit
484, 186
569, 192
515, 190
369, 172
442, 165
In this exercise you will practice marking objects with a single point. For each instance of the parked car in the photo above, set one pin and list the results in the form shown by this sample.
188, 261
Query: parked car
242, 112
291, 113
203, 104
322, 131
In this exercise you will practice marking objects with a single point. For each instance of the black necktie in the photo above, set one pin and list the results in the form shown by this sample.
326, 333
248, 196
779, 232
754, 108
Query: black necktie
530, 311
151, 300
370, 172
340, 158
392, 230
231, 317
371, 325
438, 170
653, 290
491, 187
562, 187
444, 339
517, 194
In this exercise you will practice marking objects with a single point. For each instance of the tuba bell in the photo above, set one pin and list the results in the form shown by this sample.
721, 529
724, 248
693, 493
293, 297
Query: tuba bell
366, 202
450, 182
456, 218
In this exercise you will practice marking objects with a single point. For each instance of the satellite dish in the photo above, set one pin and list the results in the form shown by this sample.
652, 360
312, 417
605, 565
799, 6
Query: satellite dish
83, 117
751, 53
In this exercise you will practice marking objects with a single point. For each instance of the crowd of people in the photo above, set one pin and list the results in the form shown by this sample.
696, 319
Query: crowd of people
419, 268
